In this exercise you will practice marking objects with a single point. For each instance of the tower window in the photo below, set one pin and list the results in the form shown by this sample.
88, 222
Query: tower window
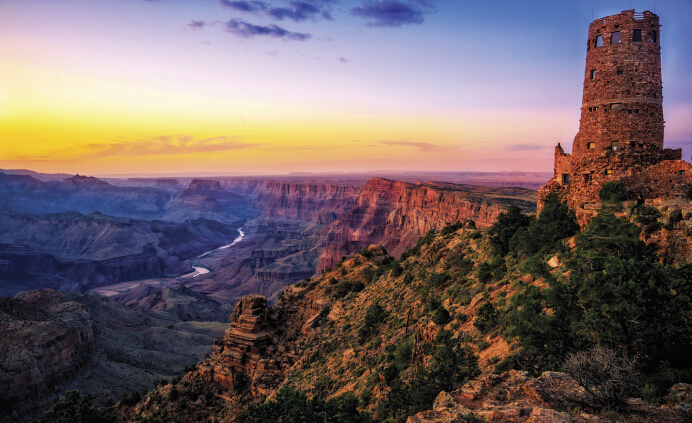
614, 145
619, 71
615, 106
636, 35
599, 41
615, 38
565, 178
654, 36
636, 111
587, 177
629, 112
593, 73
591, 145
609, 171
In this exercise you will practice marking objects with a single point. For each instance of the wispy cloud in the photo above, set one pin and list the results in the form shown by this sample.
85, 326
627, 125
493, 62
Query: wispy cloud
423, 147
162, 145
393, 13
342, 60
244, 29
244, 6
296, 11
194, 25
524, 147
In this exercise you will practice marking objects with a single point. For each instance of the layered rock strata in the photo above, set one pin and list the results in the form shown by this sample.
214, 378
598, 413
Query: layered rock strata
395, 214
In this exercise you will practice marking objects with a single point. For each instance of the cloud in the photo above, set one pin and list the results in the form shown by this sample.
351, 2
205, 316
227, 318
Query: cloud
196, 24
296, 11
392, 13
244, 6
163, 145
299, 11
247, 30
524, 147
423, 147
342, 60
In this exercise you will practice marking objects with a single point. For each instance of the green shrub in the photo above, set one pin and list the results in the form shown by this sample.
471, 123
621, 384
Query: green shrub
613, 191
76, 409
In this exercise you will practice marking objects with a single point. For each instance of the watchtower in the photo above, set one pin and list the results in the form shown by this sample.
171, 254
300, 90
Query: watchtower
622, 106
620, 134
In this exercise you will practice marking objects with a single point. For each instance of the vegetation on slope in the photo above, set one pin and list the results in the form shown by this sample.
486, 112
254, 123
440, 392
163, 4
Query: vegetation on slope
464, 301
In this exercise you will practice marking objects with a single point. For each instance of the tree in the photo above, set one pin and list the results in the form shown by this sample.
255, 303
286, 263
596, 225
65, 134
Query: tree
504, 228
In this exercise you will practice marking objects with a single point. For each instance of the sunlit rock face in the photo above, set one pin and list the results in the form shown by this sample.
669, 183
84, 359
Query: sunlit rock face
395, 214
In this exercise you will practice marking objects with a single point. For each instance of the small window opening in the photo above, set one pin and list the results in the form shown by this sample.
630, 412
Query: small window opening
617, 26
593, 73
609, 171
619, 71
591, 145
615, 106
629, 112
595, 109
615, 38
636, 35
587, 177
565, 178
615, 145
599, 41
654, 36
682, 172
636, 111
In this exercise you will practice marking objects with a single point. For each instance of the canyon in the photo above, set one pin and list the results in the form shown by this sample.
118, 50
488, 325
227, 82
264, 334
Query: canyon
134, 241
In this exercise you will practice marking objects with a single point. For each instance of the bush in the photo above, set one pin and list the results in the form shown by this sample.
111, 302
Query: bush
487, 317
441, 316
76, 409
606, 379
613, 191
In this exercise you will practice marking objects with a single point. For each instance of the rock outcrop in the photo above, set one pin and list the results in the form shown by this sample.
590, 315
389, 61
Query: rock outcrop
510, 397
205, 184
247, 350
80, 181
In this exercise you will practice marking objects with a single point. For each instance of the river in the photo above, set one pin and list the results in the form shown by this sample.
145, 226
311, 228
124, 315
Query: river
202, 270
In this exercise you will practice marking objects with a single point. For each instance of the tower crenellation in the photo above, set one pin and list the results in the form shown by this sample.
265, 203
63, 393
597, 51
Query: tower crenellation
621, 126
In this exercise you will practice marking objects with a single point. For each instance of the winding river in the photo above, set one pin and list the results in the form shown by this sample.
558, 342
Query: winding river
202, 270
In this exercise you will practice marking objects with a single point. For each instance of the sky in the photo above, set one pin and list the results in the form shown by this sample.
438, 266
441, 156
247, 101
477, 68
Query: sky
151, 87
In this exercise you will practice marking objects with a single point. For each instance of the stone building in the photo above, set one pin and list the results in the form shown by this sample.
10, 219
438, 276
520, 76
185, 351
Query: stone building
620, 134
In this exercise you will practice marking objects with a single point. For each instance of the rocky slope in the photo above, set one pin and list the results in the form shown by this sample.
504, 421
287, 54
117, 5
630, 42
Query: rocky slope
54, 341
46, 341
377, 328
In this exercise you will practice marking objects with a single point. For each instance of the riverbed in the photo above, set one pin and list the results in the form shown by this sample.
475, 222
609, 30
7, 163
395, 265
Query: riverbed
203, 271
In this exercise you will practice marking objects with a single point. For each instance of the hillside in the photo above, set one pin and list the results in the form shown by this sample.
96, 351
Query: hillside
467, 322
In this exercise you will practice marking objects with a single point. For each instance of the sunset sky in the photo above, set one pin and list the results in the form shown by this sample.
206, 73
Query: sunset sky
103, 87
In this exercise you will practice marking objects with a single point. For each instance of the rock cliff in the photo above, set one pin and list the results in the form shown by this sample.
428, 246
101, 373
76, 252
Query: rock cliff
47, 341
395, 214
304, 201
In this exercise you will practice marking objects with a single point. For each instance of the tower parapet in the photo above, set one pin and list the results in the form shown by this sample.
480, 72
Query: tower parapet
621, 127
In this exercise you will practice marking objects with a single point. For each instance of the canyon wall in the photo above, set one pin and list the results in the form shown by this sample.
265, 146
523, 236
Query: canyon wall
304, 201
395, 214
47, 341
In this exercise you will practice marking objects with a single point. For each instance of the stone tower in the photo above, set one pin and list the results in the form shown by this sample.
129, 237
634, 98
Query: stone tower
620, 134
